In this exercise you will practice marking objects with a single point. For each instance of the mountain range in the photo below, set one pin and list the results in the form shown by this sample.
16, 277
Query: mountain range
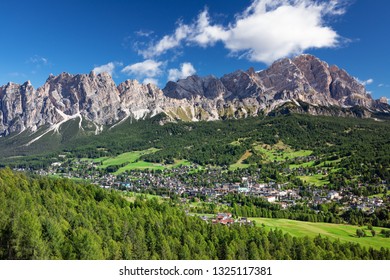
301, 84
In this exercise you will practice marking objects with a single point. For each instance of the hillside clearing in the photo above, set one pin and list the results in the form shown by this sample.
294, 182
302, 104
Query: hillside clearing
345, 233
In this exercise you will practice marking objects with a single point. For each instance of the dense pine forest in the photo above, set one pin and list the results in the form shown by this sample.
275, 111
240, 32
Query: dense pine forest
44, 218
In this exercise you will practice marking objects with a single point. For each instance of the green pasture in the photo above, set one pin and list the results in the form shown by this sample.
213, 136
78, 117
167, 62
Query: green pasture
131, 196
129, 157
131, 161
140, 164
324, 163
345, 233
303, 164
316, 179
280, 152
239, 163
378, 195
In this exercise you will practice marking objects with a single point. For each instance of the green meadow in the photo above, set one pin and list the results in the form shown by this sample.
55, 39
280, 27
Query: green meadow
129, 157
345, 233
132, 196
280, 152
132, 160
240, 163
318, 180
140, 164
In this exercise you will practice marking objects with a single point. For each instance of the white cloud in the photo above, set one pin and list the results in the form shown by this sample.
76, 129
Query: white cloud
149, 68
150, 81
38, 60
108, 68
200, 33
366, 82
204, 34
166, 43
186, 69
269, 30
265, 31
144, 33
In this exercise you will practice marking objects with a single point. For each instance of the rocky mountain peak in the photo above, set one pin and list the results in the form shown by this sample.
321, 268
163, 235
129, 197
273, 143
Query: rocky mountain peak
193, 87
96, 97
316, 72
384, 100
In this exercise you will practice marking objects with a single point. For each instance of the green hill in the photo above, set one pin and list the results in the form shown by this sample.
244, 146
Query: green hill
342, 232
44, 218
360, 145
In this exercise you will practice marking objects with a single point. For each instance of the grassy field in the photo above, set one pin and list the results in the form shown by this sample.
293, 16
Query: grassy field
96, 160
303, 164
131, 196
379, 195
129, 157
280, 152
131, 161
345, 233
76, 179
140, 164
312, 163
239, 163
318, 180
330, 162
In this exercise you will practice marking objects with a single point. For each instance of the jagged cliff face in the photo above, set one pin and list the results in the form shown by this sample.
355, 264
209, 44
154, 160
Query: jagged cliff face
303, 79
247, 93
16, 102
66, 96
94, 96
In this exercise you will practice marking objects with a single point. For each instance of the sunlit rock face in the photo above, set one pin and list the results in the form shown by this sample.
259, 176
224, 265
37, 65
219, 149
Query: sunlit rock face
95, 97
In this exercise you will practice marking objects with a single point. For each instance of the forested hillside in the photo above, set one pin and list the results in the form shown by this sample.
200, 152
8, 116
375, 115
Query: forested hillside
212, 142
361, 145
43, 218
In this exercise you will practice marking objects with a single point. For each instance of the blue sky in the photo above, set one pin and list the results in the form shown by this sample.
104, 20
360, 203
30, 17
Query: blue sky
155, 41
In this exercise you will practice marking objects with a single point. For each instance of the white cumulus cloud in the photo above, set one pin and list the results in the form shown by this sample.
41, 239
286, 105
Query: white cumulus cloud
366, 82
107, 68
199, 33
166, 43
186, 69
146, 70
205, 34
150, 81
267, 30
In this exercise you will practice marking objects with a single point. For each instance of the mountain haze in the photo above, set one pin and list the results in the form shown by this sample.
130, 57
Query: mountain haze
303, 84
